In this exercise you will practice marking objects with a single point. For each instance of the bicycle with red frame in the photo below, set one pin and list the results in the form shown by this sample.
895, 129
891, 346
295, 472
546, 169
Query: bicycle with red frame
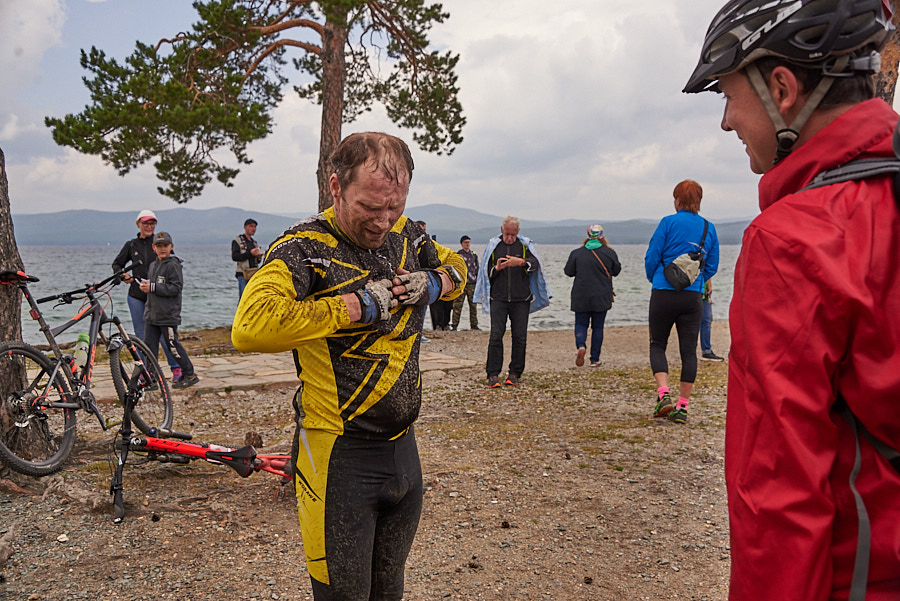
170, 446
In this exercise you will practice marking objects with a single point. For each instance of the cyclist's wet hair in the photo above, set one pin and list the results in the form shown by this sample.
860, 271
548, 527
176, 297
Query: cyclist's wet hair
386, 153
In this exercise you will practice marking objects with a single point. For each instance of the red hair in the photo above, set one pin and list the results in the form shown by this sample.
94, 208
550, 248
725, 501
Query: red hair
687, 196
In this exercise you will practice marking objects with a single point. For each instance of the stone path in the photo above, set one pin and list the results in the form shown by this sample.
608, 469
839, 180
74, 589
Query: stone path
256, 370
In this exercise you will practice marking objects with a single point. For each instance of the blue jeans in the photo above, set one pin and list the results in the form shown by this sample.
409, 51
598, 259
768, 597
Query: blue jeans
706, 327
596, 320
136, 308
242, 283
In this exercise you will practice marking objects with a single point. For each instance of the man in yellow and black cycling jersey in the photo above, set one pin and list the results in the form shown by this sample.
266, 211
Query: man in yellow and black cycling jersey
345, 290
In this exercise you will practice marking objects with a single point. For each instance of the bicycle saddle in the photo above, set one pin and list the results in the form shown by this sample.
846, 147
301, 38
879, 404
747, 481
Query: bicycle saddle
8, 277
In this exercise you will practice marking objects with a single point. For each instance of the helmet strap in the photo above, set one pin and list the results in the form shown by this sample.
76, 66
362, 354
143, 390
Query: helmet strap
785, 134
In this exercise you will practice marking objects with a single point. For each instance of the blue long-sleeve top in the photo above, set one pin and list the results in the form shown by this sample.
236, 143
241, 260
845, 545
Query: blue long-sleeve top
675, 235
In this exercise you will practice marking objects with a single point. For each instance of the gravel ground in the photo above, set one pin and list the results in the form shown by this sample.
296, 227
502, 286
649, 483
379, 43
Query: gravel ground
562, 488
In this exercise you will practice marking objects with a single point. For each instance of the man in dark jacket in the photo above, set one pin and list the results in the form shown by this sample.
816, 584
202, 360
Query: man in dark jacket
246, 254
510, 264
468, 294
139, 253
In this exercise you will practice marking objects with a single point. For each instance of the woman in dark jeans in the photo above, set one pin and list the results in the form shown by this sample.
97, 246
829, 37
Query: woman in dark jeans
675, 235
593, 265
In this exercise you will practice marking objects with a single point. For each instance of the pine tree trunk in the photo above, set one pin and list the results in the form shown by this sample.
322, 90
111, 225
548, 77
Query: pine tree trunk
10, 299
334, 74
886, 80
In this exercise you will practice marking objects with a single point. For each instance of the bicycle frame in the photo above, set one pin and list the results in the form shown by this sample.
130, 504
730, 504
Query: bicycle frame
244, 460
79, 379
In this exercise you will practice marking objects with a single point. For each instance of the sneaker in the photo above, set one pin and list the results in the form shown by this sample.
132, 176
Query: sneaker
424, 339
579, 356
595, 364
494, 382
176, 374
512, 380
664, 406
679, 415
186, 381
475, 328
453, 328
711, 356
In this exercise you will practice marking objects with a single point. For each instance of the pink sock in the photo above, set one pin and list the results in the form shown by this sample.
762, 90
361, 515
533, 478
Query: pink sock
683, 402
662, 390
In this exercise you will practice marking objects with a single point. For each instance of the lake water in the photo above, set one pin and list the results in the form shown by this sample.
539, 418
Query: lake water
210, 292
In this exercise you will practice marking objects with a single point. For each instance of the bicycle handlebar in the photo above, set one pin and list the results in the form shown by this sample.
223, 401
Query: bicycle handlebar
70, 296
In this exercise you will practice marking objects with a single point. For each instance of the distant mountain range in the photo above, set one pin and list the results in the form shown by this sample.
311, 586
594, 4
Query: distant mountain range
220, 226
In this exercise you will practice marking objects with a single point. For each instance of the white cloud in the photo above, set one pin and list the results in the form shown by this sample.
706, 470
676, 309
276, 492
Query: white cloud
27, 30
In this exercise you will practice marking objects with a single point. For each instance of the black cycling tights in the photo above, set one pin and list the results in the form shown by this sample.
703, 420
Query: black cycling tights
372, 510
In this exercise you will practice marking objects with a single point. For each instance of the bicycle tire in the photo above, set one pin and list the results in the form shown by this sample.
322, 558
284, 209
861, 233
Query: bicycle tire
34, 441
153, 407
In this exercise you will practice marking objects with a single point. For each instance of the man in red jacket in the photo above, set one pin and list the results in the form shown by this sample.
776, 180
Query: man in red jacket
815, 316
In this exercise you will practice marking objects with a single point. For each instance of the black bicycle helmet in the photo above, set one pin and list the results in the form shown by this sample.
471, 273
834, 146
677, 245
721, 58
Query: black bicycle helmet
806, 32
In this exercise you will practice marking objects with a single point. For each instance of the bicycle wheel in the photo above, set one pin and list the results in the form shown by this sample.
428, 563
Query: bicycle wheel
35, 439
153, 405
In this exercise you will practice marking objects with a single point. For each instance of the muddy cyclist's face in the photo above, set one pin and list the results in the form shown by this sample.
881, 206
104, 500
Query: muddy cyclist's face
369, 206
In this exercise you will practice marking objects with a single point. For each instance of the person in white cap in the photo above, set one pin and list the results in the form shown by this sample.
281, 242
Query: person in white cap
139, 253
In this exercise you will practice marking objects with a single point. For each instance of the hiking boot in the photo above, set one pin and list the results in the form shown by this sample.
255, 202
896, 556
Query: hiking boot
494, 382
711, 356
186, 381
512, 380
679, 415
664, 406
176, 374
579, 356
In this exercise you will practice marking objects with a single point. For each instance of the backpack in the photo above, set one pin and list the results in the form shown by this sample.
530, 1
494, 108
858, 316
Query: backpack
856, 170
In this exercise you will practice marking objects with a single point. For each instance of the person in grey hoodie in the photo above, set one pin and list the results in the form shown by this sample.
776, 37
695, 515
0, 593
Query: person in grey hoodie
162, 312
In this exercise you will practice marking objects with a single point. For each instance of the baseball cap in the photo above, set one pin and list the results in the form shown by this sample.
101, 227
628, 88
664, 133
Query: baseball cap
162, 238
463, 239
251, 222
146, 215
595, 231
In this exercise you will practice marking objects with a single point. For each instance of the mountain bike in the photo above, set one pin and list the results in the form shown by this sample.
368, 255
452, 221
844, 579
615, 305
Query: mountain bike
160, 446
40, 392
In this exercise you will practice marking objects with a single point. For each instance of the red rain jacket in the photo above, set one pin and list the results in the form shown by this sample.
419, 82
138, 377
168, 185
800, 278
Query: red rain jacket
816, 310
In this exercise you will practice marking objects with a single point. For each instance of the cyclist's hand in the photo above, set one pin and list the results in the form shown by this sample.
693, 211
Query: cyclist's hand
418, 288
376, 301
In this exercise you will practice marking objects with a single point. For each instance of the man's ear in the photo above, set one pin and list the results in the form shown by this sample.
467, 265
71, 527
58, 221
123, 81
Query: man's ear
335, 186
786, 92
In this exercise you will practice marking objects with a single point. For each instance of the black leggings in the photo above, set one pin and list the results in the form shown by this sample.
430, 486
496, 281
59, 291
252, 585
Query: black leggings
683, 309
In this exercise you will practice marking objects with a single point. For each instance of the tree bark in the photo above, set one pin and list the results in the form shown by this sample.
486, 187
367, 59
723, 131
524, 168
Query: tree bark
10, 299
886, 80
334, 40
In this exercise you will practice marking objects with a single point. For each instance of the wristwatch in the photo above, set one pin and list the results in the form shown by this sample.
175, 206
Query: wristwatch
452, 273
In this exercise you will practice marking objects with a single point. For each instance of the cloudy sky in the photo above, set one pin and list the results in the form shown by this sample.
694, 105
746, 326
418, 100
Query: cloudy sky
572, 113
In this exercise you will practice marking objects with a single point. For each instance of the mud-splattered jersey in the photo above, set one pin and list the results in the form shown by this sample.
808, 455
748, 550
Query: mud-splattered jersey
357, 379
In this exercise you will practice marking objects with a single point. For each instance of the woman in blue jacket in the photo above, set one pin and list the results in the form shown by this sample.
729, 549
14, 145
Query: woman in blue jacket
675, 235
